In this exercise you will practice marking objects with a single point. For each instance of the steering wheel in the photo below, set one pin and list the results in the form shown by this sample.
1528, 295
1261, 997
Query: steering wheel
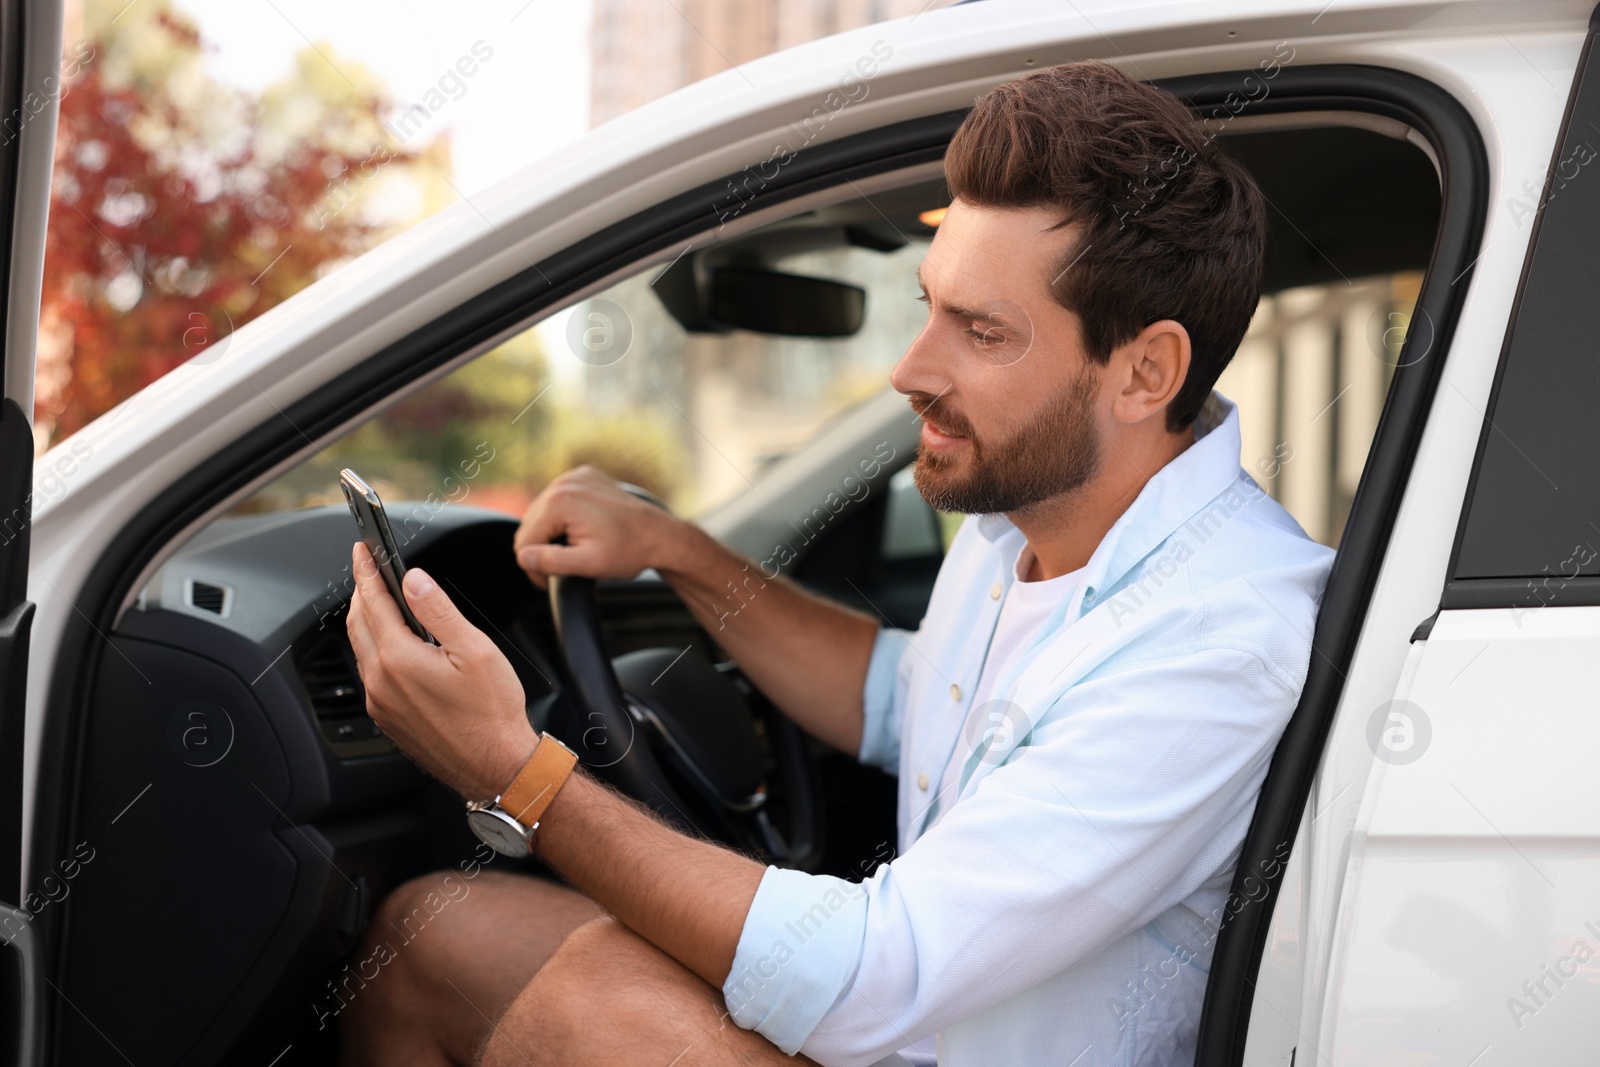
671, 729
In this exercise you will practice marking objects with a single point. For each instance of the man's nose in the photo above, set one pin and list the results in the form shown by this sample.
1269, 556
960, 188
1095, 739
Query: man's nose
922, 369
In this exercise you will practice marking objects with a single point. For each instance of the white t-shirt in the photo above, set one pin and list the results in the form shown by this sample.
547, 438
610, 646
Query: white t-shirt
1027, 606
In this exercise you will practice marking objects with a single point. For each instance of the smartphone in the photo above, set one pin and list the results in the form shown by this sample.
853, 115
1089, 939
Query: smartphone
373, 522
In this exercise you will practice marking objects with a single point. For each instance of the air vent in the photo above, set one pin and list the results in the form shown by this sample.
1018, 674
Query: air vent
328, 669
208, 597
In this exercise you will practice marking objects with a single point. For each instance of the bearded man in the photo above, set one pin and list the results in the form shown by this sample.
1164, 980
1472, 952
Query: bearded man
1080, 726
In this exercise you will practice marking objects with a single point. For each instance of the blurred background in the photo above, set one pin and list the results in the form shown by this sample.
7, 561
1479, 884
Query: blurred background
217, 156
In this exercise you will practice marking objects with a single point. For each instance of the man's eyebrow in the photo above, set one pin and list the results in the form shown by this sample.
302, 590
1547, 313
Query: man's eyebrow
955, 309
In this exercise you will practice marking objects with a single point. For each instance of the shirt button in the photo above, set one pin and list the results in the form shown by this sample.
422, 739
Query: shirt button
994, 591
955, 691
922, 782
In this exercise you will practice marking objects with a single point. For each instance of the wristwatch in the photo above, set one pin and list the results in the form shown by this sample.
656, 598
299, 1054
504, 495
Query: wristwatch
506, 823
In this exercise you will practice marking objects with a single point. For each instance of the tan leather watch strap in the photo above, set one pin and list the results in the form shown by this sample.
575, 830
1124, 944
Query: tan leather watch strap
536, 785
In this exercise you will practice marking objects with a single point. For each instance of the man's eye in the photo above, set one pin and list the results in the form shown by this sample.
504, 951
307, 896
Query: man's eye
987, 336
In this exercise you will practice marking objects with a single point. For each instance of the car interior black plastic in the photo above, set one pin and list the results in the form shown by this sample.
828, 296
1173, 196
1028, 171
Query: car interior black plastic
23, 953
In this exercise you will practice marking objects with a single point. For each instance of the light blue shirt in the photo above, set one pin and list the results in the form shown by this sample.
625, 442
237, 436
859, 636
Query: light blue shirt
1063, 906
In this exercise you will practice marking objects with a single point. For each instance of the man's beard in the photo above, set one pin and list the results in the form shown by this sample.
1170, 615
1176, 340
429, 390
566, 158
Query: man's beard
1056, 453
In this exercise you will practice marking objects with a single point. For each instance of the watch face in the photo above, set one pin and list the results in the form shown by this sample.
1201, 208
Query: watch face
500, 832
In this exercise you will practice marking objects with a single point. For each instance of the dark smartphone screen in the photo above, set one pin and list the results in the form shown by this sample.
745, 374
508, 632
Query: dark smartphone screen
373, 523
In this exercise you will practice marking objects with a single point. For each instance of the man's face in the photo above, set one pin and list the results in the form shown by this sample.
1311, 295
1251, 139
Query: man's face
999, 374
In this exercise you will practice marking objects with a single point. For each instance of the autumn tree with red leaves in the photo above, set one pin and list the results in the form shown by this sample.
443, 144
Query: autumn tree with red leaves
182, 208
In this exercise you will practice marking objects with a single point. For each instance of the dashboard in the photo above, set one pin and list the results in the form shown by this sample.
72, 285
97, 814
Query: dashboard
282, 581
251, 813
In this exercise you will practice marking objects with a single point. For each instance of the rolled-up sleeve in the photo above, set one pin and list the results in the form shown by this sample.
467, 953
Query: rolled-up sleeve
883, 699
800, 946
1135, 788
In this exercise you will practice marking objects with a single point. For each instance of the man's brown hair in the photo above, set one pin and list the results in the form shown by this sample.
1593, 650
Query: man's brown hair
1173, 228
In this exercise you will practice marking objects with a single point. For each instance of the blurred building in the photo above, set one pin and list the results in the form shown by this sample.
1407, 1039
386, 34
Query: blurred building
643, 49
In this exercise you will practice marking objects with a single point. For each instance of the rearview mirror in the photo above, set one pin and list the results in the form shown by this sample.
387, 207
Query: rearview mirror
761, 300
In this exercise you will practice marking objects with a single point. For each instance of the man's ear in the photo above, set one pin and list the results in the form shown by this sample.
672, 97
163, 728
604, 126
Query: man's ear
1152, 368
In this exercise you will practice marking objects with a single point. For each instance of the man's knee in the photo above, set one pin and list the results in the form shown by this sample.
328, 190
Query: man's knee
608, 996
385, 934
554, 1019
578, 968
403, 967
416, 905
603, 936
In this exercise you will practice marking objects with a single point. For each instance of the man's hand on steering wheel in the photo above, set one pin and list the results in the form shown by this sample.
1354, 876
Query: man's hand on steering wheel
610, 533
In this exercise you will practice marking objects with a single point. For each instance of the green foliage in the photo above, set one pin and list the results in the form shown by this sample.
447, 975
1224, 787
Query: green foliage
642, 447
502, 405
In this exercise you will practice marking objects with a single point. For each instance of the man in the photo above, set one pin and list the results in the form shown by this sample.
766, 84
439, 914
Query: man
1080, 727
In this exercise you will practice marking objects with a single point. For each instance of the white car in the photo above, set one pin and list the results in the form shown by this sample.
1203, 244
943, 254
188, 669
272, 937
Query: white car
198, 818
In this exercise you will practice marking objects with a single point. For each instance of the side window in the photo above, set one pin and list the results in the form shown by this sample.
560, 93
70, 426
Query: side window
1530, 532
1310, 379
1351, 221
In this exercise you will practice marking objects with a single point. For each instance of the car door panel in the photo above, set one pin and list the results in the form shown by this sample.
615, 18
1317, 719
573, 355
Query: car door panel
1473, 896
1456, 900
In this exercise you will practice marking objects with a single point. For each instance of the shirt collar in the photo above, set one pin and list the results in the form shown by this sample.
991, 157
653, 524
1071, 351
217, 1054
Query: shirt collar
1172, 496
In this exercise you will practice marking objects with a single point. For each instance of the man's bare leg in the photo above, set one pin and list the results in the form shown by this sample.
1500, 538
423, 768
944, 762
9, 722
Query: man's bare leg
610, 997
450, 953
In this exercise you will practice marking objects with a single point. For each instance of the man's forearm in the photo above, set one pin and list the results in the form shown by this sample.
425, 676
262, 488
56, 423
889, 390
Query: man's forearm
809, 656
687, 897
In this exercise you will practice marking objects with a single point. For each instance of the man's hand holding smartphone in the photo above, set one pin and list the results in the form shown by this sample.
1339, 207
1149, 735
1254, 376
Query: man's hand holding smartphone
373, 522
436, 684
455, 706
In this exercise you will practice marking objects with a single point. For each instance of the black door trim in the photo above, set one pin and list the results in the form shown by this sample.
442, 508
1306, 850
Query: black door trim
1464, 166
521, 298
20, 963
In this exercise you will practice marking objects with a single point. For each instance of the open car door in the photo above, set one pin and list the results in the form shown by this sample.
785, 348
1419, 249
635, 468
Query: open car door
30, 93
